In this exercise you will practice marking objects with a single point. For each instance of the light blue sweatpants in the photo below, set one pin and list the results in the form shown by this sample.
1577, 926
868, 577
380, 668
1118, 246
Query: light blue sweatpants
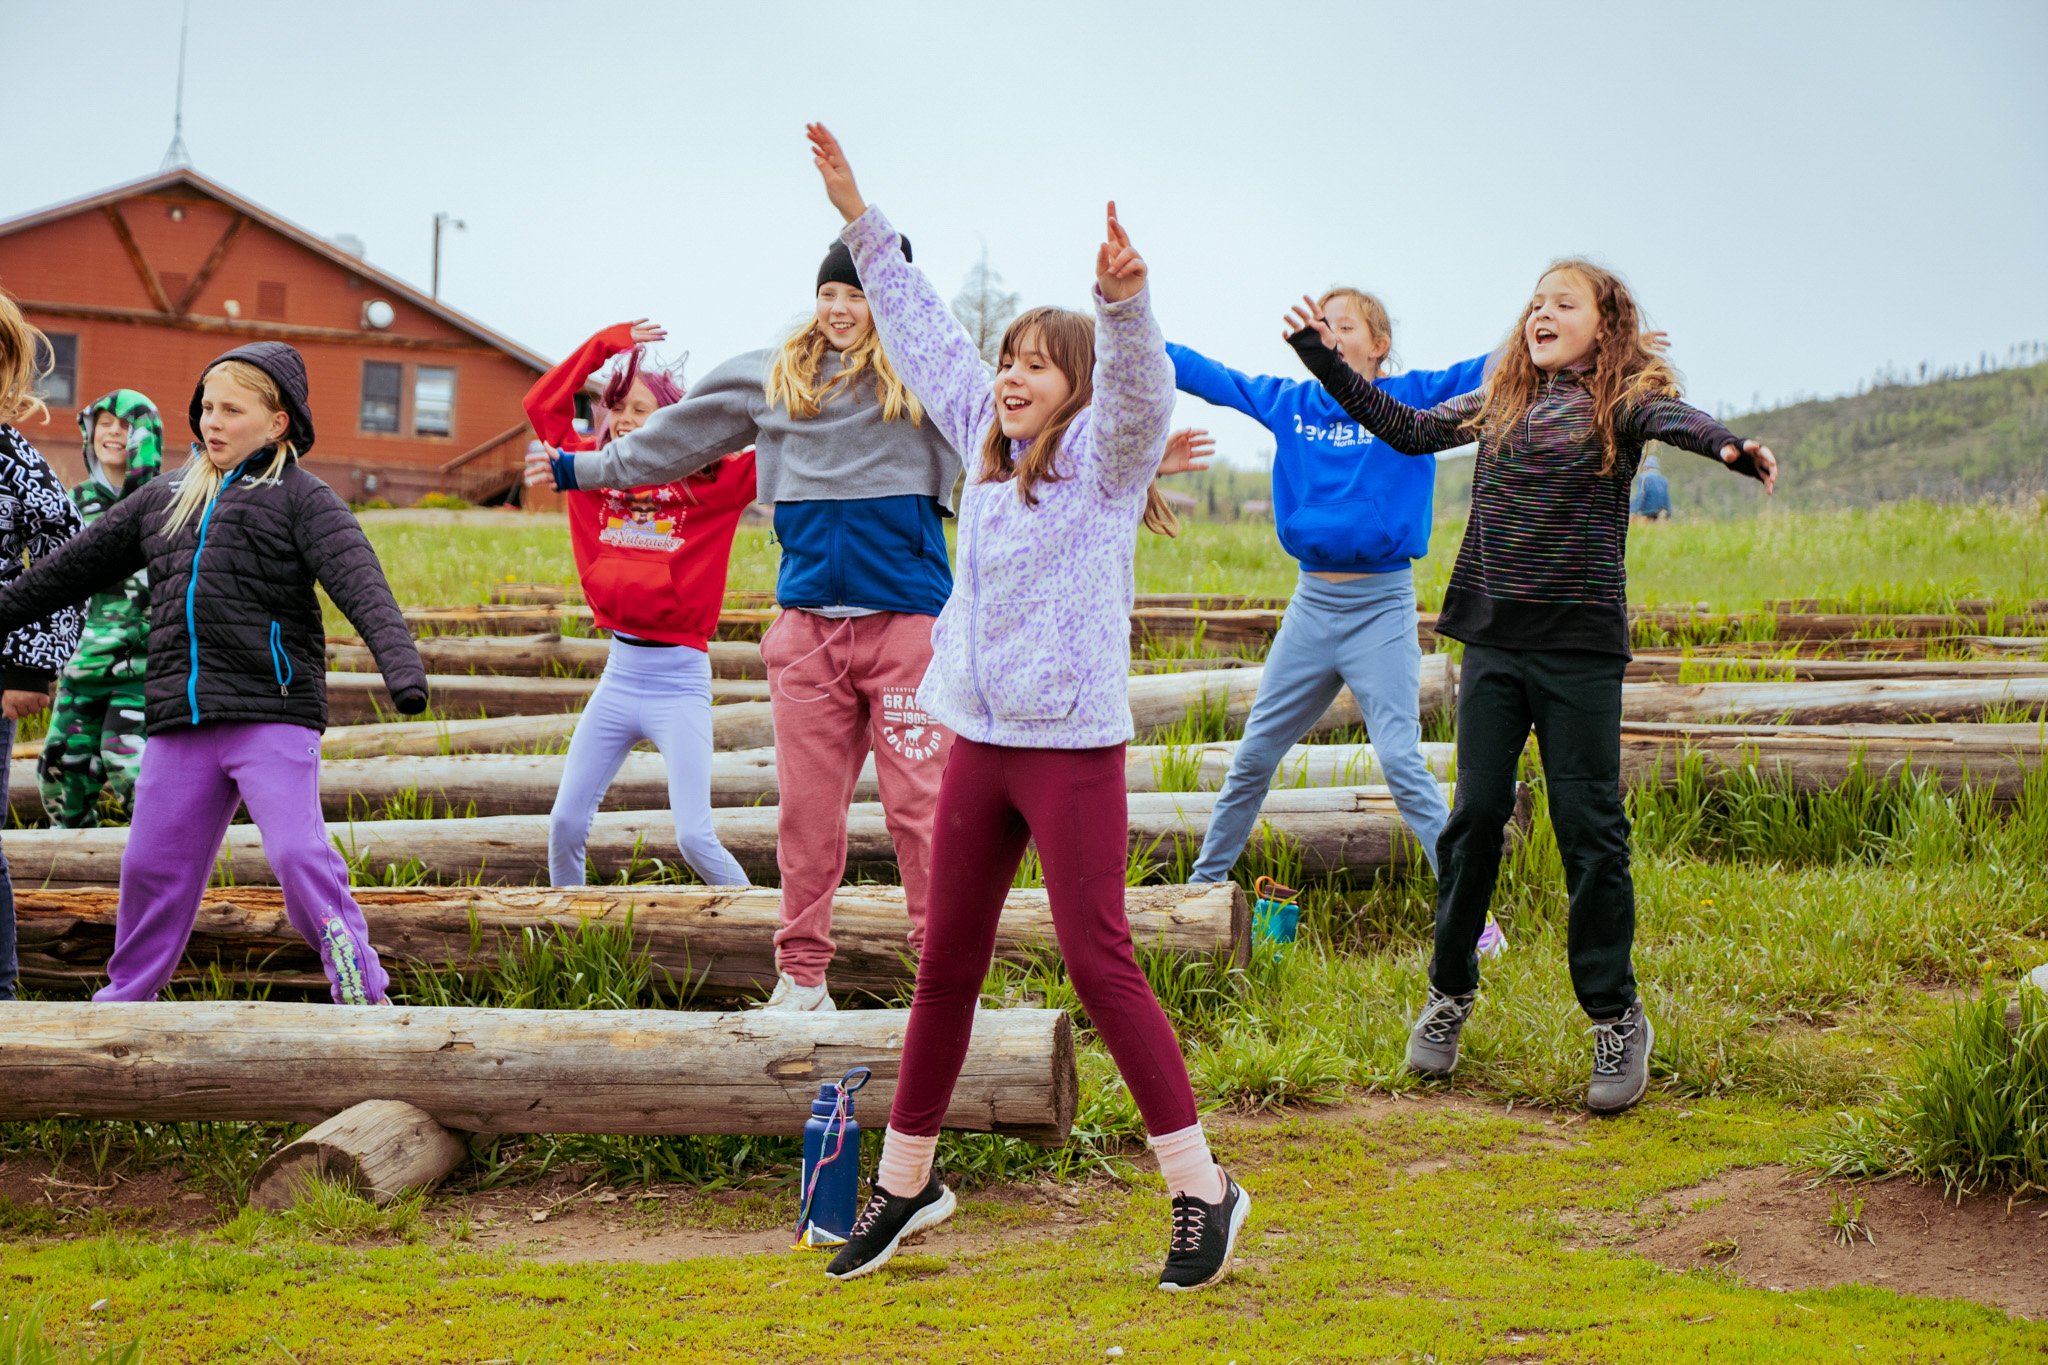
659, 695
1358, 634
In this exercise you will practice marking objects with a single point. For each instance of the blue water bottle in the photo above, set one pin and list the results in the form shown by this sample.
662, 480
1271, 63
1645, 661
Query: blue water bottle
830, 1187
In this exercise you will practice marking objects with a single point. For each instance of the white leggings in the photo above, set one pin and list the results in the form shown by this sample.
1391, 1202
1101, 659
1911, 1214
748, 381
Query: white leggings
658, 694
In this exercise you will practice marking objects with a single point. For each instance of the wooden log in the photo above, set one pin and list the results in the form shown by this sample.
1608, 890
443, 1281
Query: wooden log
511, 1071
737, 624
1159, 702
1816, 758
719, 942
540, 655
1668, 668
381, 1149
1962, 606
1873, 701
554, 594
499, 849
361, 698
525, 784
1917, 647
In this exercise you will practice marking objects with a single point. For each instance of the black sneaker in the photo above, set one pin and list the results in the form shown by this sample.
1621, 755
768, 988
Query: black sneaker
1204, 1238
885, 1222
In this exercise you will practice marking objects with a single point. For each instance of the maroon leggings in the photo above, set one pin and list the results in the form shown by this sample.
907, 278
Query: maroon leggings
991, 801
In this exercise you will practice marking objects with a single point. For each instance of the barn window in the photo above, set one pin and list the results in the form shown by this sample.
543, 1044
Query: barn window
60, 385
433, 401
270, 299
383, 383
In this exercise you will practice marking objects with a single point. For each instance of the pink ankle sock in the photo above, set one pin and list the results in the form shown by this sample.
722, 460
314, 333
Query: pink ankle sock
1185, 1162
907, 1163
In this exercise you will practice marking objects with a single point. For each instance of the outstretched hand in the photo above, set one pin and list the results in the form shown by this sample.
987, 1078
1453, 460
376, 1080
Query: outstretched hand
1188, 451
1766, 463
1302, 317
1660, 342
645, 332
1119, 269
830, 159
540, 473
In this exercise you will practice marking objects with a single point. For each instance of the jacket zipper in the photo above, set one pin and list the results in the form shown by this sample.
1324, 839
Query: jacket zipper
191, 588
280, 662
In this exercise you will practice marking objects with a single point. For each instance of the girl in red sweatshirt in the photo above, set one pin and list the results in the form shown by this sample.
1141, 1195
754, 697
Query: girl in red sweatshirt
653, 563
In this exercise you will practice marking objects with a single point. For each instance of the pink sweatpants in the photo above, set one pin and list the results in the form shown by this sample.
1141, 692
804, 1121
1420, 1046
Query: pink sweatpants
839, 689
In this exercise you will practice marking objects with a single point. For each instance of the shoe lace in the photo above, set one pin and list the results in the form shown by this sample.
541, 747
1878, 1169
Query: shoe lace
1443, 1016
876, 1203
1190, 1216
1610, 1043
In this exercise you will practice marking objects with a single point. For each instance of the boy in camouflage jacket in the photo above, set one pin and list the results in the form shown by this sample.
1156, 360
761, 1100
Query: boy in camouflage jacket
95, 738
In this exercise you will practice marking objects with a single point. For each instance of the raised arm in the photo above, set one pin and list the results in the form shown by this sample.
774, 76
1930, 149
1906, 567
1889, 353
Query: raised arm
1678, 423
1257, 396
720, 415
1412, 431
341, 557
1133, 404
551, 402
925, 343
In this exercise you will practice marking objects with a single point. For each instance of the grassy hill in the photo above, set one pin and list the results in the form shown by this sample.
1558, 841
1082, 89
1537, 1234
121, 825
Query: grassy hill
1977, 438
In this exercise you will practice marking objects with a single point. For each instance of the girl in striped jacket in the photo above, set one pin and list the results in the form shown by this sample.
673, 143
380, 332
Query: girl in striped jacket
1539, 596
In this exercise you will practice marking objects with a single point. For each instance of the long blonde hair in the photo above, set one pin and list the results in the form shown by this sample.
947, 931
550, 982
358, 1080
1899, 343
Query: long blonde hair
1067, 339
202, 480
1623, 369
25, 357
793, 378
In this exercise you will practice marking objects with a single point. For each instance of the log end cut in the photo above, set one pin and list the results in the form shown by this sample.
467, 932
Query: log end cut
379, 1148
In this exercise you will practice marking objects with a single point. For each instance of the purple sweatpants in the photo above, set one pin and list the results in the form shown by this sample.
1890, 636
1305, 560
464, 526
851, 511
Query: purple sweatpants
190, 784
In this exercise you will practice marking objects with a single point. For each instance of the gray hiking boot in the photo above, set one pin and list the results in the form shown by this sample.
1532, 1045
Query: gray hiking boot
1621, 1061
1433, 1042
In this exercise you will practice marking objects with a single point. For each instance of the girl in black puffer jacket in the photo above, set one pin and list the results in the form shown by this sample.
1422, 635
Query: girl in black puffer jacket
236, 694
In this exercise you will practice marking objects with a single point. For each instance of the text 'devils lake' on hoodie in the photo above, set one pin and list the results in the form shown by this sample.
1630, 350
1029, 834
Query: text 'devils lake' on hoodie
653, 559
1342, 501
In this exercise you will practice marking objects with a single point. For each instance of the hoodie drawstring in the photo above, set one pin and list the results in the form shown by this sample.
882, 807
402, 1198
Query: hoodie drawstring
824, 691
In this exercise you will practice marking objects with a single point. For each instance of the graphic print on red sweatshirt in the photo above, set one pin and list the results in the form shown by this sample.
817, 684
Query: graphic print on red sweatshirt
644, 518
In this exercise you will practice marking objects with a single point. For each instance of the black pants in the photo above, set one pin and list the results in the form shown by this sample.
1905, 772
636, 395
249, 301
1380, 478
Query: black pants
1573, 699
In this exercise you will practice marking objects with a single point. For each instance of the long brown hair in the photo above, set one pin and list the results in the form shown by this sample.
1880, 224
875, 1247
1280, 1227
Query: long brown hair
1067, 339
1623, 370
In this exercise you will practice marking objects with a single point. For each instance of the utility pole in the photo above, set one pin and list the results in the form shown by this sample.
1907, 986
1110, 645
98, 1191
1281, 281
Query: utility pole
443, 217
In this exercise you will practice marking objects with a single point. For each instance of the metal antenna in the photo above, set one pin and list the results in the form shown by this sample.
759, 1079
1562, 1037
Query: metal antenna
177, 158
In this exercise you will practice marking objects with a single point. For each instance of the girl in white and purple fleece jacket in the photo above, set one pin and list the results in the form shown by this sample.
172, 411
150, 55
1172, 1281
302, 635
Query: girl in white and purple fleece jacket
1030, 661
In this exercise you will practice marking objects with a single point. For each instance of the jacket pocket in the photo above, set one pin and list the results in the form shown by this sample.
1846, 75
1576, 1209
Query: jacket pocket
637, 592
280, 661
1349, 532
1024, 664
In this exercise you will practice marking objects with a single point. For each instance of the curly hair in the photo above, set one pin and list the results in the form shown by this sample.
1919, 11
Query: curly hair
1622, 369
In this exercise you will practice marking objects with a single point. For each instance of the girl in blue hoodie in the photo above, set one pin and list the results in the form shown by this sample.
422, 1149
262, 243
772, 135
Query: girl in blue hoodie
1355, 514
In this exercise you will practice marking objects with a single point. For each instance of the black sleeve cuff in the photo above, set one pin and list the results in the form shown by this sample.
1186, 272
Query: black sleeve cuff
18, 678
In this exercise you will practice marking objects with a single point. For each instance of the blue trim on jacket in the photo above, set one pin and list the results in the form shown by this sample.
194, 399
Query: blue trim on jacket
1343, 502
884, 554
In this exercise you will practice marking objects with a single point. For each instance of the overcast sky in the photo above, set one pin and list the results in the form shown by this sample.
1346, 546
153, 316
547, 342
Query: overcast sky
1801, 192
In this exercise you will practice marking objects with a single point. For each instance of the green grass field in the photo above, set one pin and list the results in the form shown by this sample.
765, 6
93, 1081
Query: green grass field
1820, 970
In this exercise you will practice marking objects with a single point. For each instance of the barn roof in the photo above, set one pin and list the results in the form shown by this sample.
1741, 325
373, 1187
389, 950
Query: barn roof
184, 177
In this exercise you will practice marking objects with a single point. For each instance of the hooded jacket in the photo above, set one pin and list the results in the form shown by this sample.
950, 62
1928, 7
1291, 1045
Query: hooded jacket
235, 631
652, 560
110, 648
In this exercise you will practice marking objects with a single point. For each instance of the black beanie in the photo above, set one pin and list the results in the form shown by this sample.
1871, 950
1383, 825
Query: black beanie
838, 264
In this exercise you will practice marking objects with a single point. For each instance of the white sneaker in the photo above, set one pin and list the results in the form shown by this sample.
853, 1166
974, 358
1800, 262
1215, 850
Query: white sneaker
787, 995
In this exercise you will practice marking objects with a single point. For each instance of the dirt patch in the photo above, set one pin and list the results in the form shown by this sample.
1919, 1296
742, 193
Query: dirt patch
82, 1202
1771, 1227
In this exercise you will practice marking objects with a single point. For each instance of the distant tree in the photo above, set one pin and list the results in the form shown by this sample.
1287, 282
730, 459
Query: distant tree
984, 307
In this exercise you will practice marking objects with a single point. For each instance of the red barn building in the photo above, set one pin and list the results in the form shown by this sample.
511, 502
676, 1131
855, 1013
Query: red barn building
139, 286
